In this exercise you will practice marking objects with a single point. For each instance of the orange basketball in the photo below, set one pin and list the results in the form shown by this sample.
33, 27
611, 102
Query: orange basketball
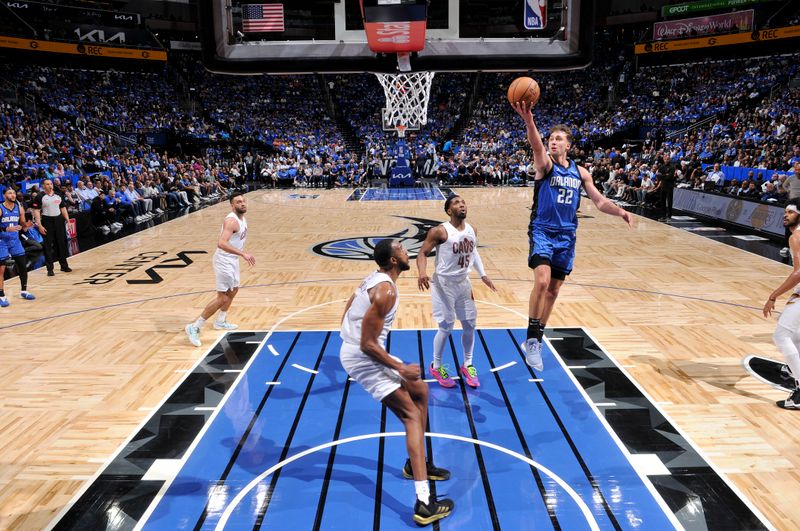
523, 89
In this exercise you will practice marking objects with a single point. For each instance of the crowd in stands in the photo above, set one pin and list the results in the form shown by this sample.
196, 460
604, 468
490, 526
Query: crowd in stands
285, 130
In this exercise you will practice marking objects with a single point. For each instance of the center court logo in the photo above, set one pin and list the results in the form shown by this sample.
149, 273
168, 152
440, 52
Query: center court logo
362, 247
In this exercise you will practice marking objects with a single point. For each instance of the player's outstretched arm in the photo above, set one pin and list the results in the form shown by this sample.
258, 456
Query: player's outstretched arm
478, 265
382, 297
540, 159
435, 236
602, 202
792, 280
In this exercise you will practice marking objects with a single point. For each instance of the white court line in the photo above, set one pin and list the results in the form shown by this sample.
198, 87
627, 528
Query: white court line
204, 408
306, 369
232, 370
587, 514
605, 404
272, 349
167, 484
556, 339
645, 480
85, 487
575, 366
252, 342
505, 366
272, 383
697, 449
535, 379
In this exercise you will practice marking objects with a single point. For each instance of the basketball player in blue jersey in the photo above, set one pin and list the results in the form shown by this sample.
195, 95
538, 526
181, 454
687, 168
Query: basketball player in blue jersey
554, 220
12, 221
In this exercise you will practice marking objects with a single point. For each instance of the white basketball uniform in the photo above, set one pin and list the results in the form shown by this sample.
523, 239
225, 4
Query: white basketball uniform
790, 316
226, 265
451, 289
379, 380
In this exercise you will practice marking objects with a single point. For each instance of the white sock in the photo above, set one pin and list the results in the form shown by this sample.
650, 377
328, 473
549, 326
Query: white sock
467, 342
199, 323
423, 491
222, 317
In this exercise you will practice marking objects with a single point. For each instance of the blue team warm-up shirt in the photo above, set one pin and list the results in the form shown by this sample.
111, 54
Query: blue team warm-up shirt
556, 198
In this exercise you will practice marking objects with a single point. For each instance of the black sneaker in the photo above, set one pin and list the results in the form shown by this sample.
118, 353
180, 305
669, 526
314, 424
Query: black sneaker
50, 273
434, 510
434, 472
793, 402
66, 269
787, 378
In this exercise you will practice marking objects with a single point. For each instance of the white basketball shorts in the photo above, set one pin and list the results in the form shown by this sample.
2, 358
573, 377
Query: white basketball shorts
226, 272
452, 299
379, 380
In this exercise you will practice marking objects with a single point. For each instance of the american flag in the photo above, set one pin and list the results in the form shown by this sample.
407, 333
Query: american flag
262, 17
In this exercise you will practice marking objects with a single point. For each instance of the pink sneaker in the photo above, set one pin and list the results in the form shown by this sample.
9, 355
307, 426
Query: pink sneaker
470, 376
441, 376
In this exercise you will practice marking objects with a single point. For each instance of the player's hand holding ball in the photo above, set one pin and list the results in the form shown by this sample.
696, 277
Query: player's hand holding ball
523, 93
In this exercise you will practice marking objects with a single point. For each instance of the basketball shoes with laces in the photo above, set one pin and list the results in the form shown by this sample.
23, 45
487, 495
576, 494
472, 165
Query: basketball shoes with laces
533, 353
427, 513
435, 473
442, 376
470, 376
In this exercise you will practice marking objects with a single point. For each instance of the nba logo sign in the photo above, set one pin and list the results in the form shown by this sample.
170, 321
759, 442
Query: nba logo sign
535, 14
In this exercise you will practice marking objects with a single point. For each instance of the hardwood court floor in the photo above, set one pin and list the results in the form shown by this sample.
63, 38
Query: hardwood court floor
85, 363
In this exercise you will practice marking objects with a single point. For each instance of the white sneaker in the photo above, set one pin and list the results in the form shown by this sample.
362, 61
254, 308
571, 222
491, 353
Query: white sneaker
784, 251
193, 334
533, 353
224, 325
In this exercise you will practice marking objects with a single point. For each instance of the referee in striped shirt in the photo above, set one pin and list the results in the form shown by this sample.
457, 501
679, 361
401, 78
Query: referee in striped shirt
51, 216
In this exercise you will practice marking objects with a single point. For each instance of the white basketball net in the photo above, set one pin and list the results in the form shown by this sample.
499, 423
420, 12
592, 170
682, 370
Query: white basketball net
407, 96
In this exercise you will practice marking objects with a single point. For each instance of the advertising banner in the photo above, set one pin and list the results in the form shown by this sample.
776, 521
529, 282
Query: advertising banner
677, 10
675, 29
788, 32
760, 216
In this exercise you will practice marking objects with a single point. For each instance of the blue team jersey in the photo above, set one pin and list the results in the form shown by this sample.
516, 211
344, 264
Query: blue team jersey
556, 198
8, 217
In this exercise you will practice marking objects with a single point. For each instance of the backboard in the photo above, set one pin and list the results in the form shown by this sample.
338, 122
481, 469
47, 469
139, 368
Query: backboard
327, 36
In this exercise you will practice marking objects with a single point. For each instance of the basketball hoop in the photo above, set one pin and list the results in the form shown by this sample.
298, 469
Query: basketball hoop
407, 96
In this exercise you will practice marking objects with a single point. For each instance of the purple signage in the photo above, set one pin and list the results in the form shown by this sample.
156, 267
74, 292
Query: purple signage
690, 27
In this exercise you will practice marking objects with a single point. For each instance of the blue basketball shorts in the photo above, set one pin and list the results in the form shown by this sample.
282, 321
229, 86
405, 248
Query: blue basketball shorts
555, 247
10, 245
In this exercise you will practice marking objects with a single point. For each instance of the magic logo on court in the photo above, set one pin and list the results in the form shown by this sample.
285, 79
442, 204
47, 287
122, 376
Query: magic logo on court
363, 247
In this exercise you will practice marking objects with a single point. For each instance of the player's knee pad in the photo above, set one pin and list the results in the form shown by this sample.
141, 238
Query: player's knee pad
468, 324
445, 327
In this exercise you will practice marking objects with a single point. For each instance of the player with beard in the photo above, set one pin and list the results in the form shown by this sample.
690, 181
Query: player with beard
230, 246
787, 333
456, 243
366, 322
